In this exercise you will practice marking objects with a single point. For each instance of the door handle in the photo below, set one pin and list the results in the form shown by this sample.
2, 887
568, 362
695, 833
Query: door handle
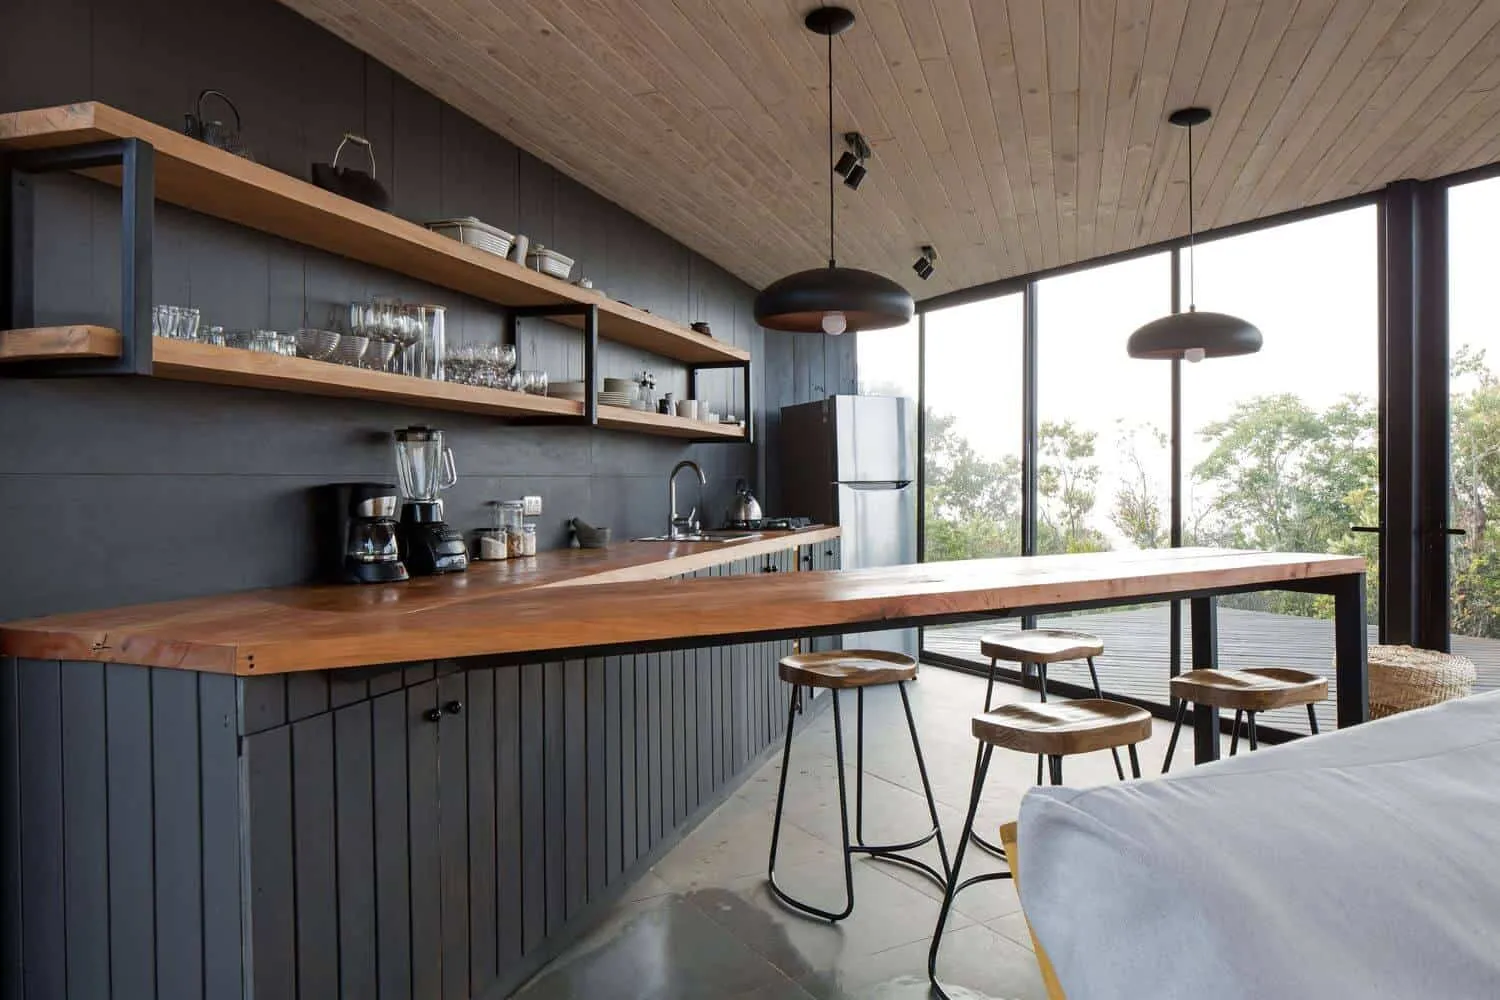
433, 715
454, 707
1369, 529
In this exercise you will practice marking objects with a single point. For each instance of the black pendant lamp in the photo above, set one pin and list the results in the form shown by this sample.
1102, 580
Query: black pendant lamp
1193, 335
832, 299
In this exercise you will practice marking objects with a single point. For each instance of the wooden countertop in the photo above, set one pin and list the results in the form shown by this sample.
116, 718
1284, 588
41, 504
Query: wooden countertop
512, 611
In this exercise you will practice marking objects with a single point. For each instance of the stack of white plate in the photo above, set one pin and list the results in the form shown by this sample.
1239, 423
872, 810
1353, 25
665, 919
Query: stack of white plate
618, 392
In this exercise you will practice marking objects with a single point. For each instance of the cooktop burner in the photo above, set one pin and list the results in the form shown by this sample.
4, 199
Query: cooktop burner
770, 524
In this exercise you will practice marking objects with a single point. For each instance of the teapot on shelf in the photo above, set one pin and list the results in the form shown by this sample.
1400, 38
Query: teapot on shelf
215, 133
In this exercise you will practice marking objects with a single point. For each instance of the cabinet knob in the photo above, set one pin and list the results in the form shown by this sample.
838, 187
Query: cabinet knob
433, 715
454, 708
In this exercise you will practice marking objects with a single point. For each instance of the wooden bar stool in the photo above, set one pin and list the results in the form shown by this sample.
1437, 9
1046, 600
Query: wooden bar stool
1257, 689
837, 671
1041, 646
1054, 730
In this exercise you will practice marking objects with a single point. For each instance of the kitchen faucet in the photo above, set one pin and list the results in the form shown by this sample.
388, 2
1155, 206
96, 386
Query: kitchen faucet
679, 526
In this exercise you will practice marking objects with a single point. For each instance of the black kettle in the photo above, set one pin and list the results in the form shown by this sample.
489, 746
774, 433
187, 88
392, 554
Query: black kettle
353, 184
216, 133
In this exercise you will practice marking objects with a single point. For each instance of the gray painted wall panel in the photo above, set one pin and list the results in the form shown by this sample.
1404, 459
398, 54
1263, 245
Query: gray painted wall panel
132, 875
43, 951
179, 862
85, 838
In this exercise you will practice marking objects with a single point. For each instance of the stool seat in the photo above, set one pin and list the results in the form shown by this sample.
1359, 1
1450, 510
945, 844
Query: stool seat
847, 668
1256, 689
1040, 645
1062, 728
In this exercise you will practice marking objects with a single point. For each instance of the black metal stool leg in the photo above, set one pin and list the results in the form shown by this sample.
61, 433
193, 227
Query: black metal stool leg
1099, 693
1234, 740
892, 852
1182, 707
1041, 676
1054, 764
776, 890
987, 845
1312, 719
1135, 763
989, 691
981, 767
1253, 744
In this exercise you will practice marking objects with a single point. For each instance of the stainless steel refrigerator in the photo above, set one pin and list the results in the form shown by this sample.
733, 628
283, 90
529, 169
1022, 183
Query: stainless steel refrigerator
852, 461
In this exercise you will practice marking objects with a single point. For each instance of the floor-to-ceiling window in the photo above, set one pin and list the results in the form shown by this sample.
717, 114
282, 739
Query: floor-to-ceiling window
972, 453
1279, 447
1474, 425
1104, 451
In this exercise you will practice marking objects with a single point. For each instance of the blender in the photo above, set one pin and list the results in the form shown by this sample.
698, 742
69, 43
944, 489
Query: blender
424, 467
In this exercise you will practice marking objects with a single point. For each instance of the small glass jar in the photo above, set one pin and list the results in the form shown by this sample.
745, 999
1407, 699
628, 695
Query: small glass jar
528, 540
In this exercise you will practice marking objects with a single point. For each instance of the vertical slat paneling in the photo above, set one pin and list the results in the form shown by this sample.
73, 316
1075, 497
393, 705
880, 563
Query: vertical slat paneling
681, 731
596, 768
575, 785
453, 822
533, 809
179, 863
554, 795
484, 885
219, 774
611, 763
273, 891
424, 822
630, 772
10, 828
313, 825
348, 686
655, 727
390, 732
43, 946
645, 776
85, 844
509, 808
703, 665
265, 702
689, 660
306, 694
132, 953
354, 808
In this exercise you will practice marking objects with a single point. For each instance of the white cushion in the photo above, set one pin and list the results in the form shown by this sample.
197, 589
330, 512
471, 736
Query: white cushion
1363, 863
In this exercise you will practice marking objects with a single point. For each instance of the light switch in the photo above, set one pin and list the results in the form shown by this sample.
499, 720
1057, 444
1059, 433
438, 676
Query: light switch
533, 506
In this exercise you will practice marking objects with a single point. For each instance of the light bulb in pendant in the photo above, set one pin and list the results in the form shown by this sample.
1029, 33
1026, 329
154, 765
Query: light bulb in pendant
834, 323
1193, 355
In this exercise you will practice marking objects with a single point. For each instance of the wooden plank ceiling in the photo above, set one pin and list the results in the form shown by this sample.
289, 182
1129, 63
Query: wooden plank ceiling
1012, 134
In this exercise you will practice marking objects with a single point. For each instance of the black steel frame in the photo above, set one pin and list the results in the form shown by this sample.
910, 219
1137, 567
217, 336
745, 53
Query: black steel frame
856, 845
137, 162
695, 369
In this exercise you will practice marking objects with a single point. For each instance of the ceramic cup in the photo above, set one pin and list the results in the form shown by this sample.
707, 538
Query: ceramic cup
687, 408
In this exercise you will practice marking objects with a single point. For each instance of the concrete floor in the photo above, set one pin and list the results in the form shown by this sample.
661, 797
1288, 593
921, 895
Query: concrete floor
701, 924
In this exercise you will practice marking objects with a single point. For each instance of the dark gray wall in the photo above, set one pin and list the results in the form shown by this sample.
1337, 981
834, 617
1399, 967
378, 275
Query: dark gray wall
123, 490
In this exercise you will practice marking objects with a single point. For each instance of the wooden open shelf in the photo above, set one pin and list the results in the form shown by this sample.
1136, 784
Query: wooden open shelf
208, 180
52, 342
662, 424
181, 359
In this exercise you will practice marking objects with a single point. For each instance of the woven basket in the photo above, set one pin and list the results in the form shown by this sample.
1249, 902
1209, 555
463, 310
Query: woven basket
1403, 678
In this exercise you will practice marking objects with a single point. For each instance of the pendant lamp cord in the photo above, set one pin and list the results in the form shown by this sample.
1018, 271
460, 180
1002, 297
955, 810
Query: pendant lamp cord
1192, 234
830, 152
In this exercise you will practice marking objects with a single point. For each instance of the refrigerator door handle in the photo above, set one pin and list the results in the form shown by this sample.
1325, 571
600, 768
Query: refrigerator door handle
897, 484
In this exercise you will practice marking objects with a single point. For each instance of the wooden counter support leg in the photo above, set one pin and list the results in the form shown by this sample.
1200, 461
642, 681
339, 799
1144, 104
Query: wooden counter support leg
1205, 619
1349, 638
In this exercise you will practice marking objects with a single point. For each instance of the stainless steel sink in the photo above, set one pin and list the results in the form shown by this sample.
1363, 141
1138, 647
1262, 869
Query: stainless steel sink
702, 536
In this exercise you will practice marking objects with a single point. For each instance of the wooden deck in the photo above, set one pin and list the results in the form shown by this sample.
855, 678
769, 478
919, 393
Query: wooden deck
1135, 658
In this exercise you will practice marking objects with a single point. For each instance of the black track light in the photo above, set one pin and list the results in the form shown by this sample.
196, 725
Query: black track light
846, 163
855, 176
924, 265
851, 163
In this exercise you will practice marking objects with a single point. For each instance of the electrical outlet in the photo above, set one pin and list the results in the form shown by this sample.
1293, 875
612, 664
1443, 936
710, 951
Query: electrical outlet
533, 506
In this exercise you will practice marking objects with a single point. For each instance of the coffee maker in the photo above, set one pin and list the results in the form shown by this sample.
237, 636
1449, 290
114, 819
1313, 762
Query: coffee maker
359, 533
424, 467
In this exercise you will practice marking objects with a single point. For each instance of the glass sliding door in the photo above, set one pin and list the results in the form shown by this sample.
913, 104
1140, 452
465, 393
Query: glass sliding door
1279, 447
1474, 427
1104, 452
972, 445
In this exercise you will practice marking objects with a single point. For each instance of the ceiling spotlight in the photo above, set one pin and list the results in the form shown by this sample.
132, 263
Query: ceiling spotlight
851, 163
924, 265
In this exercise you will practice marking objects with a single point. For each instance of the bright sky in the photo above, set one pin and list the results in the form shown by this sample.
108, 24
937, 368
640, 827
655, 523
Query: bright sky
1311, 287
